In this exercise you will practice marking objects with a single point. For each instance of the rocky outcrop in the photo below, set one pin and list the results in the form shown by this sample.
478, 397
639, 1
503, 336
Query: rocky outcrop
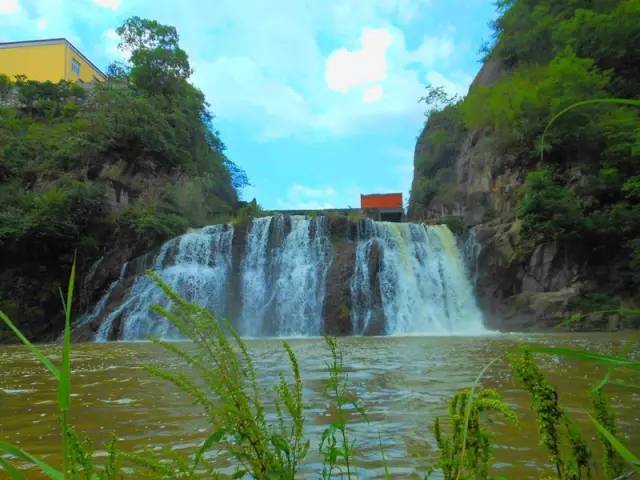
337, 305
531, 291
519, 285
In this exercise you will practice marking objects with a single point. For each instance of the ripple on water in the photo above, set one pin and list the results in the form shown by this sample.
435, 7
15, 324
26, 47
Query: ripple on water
403, 382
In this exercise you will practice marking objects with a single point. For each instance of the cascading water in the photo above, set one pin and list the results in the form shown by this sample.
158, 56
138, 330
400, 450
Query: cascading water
196, 265
406, 279
102, 304
471, 249
419, 283
284, 275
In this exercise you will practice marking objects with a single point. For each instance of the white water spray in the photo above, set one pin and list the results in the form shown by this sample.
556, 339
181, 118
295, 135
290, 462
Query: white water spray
407, 279
421, 281
284, 275
196, 265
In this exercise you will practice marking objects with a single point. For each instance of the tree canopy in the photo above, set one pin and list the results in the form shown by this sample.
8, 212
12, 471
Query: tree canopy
552, 55
126, 163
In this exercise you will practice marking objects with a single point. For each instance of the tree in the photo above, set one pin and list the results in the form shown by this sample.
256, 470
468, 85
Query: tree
117, 71
436, 99
158, 64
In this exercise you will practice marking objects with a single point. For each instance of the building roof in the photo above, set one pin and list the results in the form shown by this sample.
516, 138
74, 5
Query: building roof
381, 200
50, 41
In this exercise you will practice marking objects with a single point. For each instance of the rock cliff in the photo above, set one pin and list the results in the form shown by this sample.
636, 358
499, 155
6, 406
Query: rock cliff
476, 186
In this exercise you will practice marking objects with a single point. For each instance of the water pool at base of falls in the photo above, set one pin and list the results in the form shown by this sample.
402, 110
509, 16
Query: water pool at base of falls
402, 382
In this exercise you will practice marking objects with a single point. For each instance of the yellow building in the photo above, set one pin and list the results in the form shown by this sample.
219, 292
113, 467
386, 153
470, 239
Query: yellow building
54, 60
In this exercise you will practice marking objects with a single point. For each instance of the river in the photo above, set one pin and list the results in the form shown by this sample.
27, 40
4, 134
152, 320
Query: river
403, 382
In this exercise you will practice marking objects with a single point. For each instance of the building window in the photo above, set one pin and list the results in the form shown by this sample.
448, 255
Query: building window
75, 66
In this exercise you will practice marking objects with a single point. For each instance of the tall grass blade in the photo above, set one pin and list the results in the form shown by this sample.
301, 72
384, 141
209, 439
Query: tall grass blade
588, 356
13, 473
64, 383
617, 445
616, 101
34, 350
383, 456
17, 452
605, 380
467, 412
216, 437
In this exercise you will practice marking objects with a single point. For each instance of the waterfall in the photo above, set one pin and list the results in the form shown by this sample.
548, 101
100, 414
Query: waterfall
418, 284
284, 275
196, 265
471, 249
395, 278
104, 300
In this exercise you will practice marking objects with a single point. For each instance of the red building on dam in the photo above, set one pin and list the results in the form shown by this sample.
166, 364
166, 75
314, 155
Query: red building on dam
386, 207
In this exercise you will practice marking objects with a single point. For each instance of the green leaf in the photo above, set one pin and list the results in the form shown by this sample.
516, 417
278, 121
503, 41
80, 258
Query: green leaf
13, 473
34, 350
467, 412
589, 356
239, 474
280, 443
617, 445
64, 382
208, 443
48, 470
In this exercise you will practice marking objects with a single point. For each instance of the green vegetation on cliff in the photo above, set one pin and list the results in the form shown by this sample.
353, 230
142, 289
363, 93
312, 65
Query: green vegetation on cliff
123, 164
550, 55
444, 139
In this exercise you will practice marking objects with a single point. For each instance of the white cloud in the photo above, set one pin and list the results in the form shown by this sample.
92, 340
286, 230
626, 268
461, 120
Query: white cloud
239, 87
454, 84
250, 86
9, 7
60, 17
301, 197
112, 41
345, 69
372, 94
111, 4
270, 73
433, 49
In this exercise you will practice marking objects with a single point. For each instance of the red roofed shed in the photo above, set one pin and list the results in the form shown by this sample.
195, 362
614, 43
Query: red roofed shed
383, 206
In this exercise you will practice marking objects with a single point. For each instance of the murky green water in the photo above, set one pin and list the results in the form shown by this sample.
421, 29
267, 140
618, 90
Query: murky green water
403, 383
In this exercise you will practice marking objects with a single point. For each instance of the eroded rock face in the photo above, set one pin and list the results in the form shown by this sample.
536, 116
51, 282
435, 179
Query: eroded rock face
518, 286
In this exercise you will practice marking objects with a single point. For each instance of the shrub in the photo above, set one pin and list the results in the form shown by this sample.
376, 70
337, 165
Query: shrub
433, 171
148, 227
247, 212
558, 434
465, 452
62, 212
227, 389
5, 85
518, 106
549, 211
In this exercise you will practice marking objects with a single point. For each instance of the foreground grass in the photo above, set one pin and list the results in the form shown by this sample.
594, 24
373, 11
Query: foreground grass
266, 440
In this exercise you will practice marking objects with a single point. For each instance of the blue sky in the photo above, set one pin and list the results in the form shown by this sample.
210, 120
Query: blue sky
315, 99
